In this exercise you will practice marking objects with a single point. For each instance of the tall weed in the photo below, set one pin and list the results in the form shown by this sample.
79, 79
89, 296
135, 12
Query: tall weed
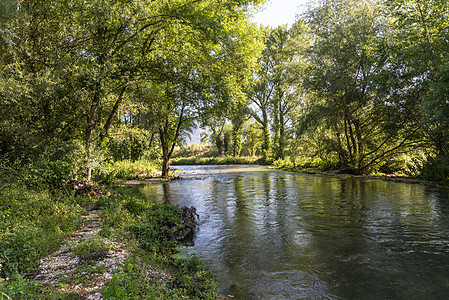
126, 169
32, 224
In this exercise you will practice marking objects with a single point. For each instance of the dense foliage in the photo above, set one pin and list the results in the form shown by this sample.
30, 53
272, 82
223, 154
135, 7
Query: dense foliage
356, 82
104, 80
357, 85
106, 90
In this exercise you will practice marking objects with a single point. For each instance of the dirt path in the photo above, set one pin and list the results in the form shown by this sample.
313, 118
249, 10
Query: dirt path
87, 274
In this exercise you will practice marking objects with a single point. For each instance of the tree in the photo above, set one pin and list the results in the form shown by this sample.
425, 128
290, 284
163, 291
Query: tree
362, 118
252, 138
76, 60
274, 87
420, 41
35, 82
201, 75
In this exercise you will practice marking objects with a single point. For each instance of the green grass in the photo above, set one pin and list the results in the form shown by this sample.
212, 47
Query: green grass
126, 169
152, 226
228, 160
187, 279
89, 246
33, 223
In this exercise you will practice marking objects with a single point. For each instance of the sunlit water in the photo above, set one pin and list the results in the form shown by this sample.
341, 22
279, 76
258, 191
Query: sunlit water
270, 234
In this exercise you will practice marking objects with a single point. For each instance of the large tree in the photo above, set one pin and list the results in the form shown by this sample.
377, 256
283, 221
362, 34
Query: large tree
420, 43
67, 65
273, 90
352, 105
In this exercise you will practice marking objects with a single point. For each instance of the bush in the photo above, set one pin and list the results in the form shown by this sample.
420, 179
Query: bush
126, 169
51, 173
436, 169
195, 279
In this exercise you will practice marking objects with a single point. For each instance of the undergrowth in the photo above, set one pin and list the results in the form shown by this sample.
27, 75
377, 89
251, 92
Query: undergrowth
33, 223
152, 226
126, 169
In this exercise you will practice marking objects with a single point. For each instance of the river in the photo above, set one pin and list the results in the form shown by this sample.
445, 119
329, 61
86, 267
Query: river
270, 234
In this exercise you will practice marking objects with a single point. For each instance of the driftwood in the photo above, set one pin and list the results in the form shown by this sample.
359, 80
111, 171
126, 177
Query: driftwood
182, 231
82, 188
188, 216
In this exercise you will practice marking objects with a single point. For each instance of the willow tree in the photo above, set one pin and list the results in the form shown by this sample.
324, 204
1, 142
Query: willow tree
350, 104
420, 43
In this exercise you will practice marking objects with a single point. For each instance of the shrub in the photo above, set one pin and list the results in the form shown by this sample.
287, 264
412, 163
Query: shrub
195, 279
126, 169
51, 173
157, 233
436, 169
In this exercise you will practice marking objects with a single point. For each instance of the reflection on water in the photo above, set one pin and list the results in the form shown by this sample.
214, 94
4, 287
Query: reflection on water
280, 235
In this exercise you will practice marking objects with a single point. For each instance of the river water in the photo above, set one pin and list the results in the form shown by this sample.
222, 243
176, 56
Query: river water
270, 234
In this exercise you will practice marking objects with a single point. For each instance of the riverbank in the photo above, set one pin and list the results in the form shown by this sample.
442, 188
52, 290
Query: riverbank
188, 161
342, 174
227, 160
114, 245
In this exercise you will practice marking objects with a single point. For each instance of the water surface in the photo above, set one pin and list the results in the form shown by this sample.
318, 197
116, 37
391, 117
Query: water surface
271, 234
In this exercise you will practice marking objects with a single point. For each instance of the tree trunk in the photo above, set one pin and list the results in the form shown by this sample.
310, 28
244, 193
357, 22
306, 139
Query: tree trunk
220, 146
167, 149
266, 136
165, 167
165, 152
276, 128
113, 112
237, 142
281, 136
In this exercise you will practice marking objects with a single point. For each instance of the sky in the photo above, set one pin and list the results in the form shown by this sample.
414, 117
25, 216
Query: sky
279, 12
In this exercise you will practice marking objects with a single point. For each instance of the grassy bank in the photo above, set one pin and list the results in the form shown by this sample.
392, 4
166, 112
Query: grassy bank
34, 223
437, 174
227, 160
